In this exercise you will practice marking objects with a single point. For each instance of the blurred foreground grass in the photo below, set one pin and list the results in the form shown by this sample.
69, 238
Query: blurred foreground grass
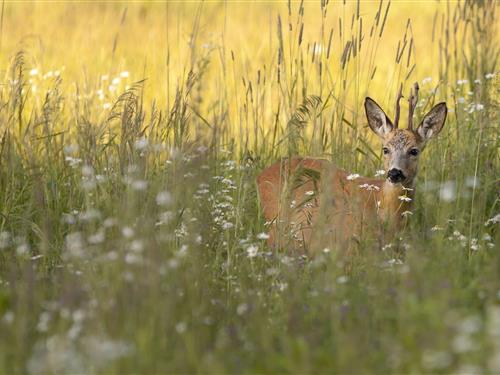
131, 238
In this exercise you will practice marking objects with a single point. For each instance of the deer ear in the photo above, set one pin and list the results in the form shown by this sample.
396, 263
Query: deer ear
377, 119
433, 121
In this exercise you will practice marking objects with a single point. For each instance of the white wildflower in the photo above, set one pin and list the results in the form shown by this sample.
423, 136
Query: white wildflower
252, 251
139, 185
73, 162
494, 220
141, 144
353, 176
342, 279
8, 317
163, 198
380, 173
263, 236
448, 191
242, 309
406, 213
489, 75
404, 198
97, 238
181, 327
369, 187
124, 74
474, 244
309, 193
127, 232
472, 182
227, 225
436, 228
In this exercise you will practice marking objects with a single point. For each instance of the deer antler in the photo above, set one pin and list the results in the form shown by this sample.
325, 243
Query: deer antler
412, 103
398, 109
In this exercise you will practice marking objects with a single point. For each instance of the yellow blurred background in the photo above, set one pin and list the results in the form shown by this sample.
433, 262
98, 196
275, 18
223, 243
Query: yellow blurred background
237, 49
88, 39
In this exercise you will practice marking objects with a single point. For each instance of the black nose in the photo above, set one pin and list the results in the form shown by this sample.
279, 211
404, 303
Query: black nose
395, 175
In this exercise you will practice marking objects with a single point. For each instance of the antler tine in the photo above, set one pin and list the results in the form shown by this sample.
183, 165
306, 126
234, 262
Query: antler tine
398, 109
412, 103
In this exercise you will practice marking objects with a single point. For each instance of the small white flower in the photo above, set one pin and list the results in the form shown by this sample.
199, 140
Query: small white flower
139, 185
342, 279
489, 75
436, 228
461, 82
448, 191
477, 81
252, 251
34, 72
310, 192
380, 173
73, 162
494, 220
106, 105
227, 225
369, 187
404, 198
22, 249
242, 309
406, 213
461, 100
141, 144
263, 236
163, 198
353, 176
326, 250
181, 327
115, 81
124, 74
127, 232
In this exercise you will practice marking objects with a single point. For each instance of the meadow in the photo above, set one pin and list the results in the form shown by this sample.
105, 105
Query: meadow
131, 235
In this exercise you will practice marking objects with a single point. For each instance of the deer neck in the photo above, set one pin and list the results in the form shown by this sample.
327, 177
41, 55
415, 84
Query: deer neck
394, 200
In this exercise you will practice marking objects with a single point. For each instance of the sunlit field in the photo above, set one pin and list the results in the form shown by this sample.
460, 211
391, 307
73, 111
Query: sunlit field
132, 239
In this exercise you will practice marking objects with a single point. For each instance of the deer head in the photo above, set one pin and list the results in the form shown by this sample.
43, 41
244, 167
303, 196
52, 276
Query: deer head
402, 147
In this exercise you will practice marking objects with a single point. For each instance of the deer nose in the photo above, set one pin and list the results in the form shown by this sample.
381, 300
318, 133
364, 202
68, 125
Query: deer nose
395, 175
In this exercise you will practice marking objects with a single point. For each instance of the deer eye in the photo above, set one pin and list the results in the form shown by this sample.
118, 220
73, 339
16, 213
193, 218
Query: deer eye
385, 150
414, 152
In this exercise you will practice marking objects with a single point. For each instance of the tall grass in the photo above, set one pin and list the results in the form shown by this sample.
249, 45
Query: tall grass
131, 237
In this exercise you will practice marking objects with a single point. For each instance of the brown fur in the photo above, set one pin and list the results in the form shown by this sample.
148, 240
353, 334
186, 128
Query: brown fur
341, 210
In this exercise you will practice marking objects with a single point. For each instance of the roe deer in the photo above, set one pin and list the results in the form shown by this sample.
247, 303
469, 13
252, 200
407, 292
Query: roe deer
296, 192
